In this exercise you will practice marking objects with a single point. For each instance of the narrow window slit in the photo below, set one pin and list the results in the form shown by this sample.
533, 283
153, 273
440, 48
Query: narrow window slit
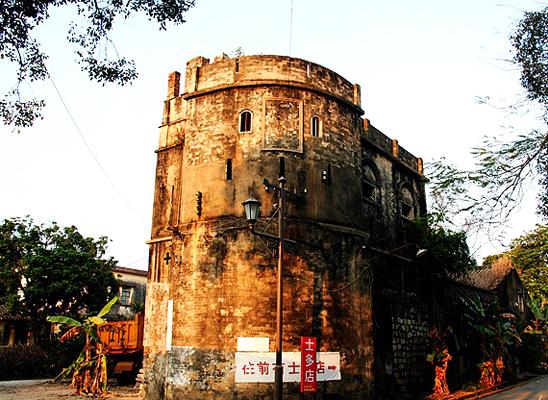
228, 169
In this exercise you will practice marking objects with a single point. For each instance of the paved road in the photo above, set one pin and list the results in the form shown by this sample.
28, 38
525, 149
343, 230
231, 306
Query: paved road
534, 390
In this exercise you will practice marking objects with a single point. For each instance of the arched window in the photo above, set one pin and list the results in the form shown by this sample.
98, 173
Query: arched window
245, 121
407, 203
315, 126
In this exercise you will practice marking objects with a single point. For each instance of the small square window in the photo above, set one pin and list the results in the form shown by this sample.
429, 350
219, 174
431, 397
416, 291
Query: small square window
125, 296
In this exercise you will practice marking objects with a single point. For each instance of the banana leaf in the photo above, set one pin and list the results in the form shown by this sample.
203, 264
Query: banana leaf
107, 307
97, 320
59, 319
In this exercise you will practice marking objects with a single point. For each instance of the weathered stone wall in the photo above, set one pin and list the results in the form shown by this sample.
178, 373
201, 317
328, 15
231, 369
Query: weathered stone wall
219, 278
224, 286
211, 137
202, 76
410, 340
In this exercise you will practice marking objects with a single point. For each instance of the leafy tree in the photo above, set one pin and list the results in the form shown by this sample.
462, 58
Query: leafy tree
489, 193
89, 370
529, 41
529, 254
49, 270
95, 51
448, 252
12, 244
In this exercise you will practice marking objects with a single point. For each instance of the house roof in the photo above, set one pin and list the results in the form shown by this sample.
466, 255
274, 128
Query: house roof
5, 315
488, 278
131, 271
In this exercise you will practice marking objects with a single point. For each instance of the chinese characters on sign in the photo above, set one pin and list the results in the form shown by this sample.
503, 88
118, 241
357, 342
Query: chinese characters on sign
308, 365
259, 367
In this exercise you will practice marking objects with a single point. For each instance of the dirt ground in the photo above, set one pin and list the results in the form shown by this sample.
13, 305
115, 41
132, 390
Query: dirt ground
46, 390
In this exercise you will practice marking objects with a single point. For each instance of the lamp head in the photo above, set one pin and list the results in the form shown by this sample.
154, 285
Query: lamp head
251, 207
421, 252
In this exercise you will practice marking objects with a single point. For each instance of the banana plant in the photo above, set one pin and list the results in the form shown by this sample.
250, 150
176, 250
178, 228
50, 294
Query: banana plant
539, 324
89, 370
496, 332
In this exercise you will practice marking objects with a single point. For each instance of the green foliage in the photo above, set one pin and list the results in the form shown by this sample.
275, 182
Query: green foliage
95, 51
534, 353
59, 319
46, 269
448, 251
138, 307
12, 246
495, 332
535, 337
22, 362
487, 194
529, 254
89, 370
106, 309
540, 311
531, 46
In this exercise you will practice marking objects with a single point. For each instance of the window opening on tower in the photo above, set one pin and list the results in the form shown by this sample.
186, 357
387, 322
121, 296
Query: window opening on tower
245, 121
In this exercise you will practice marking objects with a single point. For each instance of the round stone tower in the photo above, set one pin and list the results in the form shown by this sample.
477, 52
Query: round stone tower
237, 122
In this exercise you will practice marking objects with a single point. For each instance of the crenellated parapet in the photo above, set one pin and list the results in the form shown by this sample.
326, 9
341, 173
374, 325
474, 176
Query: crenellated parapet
204, 77
391, 147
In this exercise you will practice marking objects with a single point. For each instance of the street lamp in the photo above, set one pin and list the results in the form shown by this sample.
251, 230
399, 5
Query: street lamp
251, 207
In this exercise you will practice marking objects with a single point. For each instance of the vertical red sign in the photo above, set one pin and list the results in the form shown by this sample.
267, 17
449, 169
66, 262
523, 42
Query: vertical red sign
308, 365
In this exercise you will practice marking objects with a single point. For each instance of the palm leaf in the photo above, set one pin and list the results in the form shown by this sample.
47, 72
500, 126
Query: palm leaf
107, 307
76, 365
59, 319
97, 320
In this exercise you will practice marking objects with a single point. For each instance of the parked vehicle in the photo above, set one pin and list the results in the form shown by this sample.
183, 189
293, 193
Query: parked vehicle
124, 342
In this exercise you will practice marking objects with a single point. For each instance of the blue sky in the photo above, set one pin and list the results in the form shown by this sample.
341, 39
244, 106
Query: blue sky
421, 66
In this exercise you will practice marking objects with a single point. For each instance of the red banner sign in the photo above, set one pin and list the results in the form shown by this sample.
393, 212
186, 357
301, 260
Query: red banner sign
308, 365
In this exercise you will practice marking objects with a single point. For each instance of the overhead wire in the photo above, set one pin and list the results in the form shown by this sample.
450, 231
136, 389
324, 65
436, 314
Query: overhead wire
92, 153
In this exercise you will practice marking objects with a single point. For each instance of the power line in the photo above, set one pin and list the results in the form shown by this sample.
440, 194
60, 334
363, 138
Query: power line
103, 170
136, 261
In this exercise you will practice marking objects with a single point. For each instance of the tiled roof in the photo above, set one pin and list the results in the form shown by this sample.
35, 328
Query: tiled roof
488, 278
131, 271
5, 315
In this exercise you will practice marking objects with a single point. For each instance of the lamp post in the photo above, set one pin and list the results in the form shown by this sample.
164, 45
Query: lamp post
251, 207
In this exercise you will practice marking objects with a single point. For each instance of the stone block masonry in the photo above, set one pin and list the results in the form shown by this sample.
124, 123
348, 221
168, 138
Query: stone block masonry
219, 140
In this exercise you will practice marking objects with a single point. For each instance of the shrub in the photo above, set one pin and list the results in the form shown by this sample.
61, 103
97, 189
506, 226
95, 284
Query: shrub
534, 354
22, 362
